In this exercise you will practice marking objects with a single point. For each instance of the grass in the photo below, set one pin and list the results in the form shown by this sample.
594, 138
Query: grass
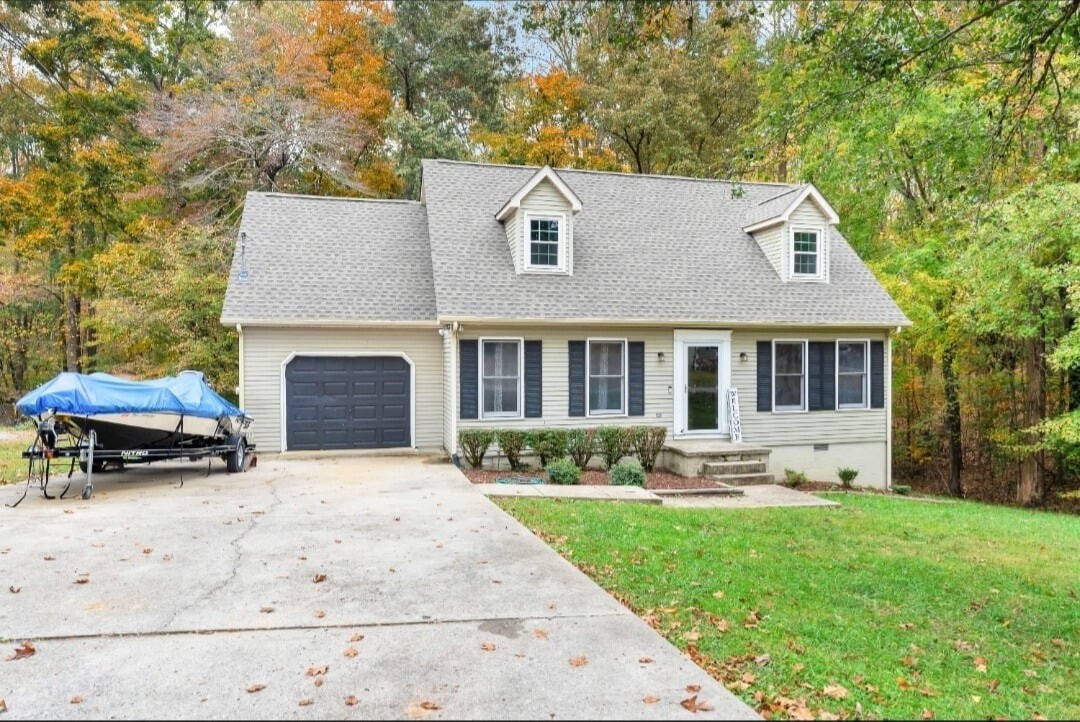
881, 608
13, 440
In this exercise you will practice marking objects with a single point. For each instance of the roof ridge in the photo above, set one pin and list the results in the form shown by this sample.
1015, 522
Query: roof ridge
799, 187
307, 196
621, 174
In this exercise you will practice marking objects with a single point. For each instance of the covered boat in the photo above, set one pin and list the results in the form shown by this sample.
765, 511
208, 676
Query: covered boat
107, 419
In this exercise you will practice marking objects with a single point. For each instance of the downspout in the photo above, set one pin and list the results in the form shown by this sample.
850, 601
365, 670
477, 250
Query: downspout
240, 376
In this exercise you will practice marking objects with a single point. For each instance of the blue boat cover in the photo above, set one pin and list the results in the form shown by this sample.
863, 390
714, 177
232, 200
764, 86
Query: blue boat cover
78, 394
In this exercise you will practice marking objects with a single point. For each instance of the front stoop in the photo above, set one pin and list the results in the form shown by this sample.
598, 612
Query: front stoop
732, 464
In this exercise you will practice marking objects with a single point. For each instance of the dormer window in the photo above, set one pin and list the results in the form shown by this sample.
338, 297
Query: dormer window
805, 253
545, 242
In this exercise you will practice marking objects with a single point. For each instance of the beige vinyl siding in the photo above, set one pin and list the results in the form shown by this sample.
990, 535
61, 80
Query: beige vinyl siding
807, 215
545, 198
771, 241
802, 427
267, 348
512, 227
556, 395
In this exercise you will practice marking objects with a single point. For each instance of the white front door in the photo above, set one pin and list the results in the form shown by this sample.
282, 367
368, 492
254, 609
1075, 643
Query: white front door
702, 378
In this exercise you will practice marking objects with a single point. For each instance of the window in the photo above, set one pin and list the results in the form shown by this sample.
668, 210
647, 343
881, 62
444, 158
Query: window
500, 382
805, 253
789, 375
545, 243
851, 375
607, 377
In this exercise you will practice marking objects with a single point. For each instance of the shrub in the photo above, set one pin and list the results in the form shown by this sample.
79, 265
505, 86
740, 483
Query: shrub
581, 445
794, 478
903, 489
647, 441
474, 445
563, 471
548, 444
613, 443
847, 475
511, 442
627, 473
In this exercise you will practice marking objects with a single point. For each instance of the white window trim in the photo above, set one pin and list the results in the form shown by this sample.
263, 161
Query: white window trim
819, 254
805, 376
502, 415
623, 411
866, 375
564, 245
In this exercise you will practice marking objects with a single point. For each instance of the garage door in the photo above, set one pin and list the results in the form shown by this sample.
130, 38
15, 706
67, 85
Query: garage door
336, 402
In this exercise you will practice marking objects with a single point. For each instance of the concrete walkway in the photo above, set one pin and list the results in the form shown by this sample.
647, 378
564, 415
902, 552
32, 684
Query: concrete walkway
340, 588
752, 496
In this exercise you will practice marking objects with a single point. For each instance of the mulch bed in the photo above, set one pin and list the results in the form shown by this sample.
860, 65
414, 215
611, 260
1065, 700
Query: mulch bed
653, 479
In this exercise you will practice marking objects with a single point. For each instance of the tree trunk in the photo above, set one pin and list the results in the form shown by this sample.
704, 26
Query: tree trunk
1032, 489
953, 427
72, 336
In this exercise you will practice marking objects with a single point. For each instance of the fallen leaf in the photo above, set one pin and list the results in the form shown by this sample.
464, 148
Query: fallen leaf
649, 699
748, 677
835, 691
3, 705
927, 713
488, 646
148, 550
69, 511
26, 650
693, 688
693, 705
909, 661
579, 661
540, 633
49, 557
82, 580
762, 660
319, 614
429, 705
316, 671
351, 652
351, 700
722, 624
397, 518
719, 594
692, 636
645, 660
824, 714
306, 701
906, 625
356, 637
76, 700
256, 687
319, 681
319, 578
14, 589
961, 646
980, 664
421, 709
753, 619
797, 667
976, 698
266, 610
1057, 642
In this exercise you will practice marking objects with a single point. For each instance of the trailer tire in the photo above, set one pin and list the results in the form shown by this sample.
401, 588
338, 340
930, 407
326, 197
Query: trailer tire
234, 459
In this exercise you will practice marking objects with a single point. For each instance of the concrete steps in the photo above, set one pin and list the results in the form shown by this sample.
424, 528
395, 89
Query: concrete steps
744, 479
708, 491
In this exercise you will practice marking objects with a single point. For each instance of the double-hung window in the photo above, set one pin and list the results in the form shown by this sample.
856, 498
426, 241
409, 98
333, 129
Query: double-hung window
500, 380
545, 242
789, 375
607, 377
851, 374
805, 253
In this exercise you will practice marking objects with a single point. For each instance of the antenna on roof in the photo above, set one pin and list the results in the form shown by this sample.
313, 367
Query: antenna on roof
242, 273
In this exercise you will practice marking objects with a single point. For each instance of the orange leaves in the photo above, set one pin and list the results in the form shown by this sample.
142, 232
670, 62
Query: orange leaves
649, 699
257, 687
488, 646
351, 652
980, 664
692, 704
319, 578
422, 708
540, 634
835, 691
579, 661
351, 700
26, 649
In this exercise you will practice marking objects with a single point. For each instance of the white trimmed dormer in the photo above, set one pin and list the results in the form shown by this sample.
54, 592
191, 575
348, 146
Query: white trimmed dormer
539, 224
794, 229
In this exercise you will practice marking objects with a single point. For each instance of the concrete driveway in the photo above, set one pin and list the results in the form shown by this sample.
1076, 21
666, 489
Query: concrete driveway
340, 588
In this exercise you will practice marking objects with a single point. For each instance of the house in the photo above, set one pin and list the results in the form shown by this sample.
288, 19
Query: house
512, 296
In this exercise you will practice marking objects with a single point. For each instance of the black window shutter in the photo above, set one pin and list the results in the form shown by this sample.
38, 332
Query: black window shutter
533, 380
467, 378
576, 358
821, 369
877, 374
635, 396
764, 375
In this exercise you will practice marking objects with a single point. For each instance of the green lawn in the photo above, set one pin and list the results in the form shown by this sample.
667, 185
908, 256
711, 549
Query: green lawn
13, 440
882, 608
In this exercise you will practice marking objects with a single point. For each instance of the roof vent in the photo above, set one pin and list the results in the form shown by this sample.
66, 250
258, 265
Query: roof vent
242, 273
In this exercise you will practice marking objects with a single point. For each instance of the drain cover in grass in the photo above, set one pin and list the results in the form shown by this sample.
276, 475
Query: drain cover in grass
518, 480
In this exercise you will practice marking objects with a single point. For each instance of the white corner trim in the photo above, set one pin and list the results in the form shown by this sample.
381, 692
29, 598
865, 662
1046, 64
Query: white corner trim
351, 354
545, 173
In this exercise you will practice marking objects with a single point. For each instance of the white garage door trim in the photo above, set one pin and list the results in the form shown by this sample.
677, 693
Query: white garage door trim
352, 354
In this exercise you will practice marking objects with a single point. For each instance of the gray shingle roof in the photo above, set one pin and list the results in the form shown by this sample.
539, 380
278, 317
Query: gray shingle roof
330, 260
772, 207
645, 248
